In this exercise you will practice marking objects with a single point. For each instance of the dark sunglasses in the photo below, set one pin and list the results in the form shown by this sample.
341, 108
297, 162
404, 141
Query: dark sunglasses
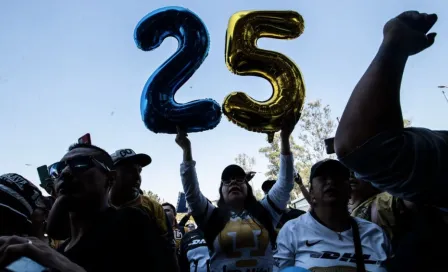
77, 165
236, 180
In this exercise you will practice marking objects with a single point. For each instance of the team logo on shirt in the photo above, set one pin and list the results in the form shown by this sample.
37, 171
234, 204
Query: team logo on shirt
344, 257
243, 239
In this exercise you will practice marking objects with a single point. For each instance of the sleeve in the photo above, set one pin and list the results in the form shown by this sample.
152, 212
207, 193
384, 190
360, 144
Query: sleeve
184, 220
409, 164
284, 254
145, 246
277, 199
201, 208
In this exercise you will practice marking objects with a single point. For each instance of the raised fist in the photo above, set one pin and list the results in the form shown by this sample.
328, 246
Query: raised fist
409, 31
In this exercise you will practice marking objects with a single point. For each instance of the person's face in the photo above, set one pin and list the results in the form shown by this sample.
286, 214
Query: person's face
169, 213
234, 191
191, 227
128, 179
330, 189
83, 179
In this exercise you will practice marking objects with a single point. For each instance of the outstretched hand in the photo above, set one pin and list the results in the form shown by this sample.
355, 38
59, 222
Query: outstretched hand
182, 139
409, 31
288, 126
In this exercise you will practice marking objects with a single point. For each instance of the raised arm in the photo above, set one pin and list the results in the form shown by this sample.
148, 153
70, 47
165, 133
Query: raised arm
374, 106
201, 208
303, 189
277, 199
371, 140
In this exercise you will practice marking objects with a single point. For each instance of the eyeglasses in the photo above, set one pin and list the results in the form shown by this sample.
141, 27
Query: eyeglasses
77, 165
237, 181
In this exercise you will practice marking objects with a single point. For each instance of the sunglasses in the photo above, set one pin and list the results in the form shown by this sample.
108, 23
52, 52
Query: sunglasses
77, 165
237, 181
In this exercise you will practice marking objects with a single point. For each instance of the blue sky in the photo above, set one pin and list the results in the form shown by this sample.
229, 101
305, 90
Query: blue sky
65, 66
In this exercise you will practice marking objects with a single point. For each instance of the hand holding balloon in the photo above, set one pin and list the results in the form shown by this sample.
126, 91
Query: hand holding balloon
244, 58
160, 112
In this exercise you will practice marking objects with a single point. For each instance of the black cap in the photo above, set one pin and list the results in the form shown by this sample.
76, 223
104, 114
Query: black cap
267, 185
236, 171
20, 195
329, 165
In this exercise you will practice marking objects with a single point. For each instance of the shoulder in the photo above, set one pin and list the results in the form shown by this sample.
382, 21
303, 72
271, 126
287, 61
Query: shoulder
152, 206
368, 228
130, 216
295, 224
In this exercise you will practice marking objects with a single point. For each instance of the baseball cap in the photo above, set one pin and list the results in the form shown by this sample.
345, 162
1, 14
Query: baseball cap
327, 165
236, 171
128, 155
19, 195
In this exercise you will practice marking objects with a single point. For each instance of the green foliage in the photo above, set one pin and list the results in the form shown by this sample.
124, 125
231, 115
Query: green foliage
307, 142
152, 195
407, 123
246, 162
315, 125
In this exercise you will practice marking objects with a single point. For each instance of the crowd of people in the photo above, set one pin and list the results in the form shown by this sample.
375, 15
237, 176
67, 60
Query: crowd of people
382, 206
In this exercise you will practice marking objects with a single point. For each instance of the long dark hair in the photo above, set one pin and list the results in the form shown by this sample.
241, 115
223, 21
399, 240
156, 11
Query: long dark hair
222, 215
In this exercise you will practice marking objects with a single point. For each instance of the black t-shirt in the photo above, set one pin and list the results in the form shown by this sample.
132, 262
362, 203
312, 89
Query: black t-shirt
121, 240
288, 215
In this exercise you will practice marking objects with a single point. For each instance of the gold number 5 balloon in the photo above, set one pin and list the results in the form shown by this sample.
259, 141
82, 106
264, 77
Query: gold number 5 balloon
245, 59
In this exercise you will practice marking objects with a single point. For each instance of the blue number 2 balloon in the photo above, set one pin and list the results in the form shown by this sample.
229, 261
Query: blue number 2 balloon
160, 112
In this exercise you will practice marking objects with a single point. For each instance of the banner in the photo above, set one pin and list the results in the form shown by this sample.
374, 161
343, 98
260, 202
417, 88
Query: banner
182, 203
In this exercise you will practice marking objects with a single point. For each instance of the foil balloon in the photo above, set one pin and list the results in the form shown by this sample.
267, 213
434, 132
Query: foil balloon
245, 59
160, 112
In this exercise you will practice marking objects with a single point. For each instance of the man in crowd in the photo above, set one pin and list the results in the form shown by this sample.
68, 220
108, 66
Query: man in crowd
327, 238
102, 238
409, 163
193, 252
126, 192
23, 208
178, 230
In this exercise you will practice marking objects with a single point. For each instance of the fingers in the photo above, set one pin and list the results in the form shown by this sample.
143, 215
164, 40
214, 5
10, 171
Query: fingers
13, 252
419, 21
431, 38
181, 132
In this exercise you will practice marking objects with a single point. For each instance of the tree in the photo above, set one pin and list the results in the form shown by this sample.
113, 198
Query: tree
315, 125
152, 196
272, 153
246, 162
407, 123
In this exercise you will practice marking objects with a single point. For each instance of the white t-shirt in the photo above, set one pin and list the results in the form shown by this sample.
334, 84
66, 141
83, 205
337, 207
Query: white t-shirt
306, 243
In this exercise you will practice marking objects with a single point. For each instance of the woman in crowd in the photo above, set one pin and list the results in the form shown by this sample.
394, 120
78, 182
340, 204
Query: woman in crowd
327, 238
240, 231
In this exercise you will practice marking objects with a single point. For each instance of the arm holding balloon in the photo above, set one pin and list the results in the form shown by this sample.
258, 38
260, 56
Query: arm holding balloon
199, 205
277, 199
